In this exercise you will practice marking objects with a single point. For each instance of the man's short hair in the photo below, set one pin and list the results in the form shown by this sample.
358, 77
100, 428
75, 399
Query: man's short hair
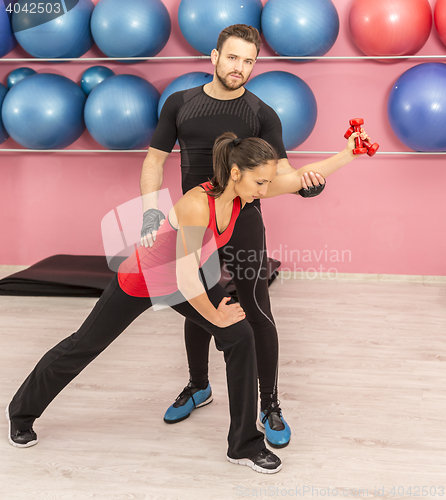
243, 31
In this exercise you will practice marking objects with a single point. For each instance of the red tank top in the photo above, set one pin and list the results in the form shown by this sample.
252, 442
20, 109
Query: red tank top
151, 272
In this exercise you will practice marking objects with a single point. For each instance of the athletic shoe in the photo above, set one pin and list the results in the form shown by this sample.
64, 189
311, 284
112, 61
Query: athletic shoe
264, 461
277, 431
192, 397
20, 439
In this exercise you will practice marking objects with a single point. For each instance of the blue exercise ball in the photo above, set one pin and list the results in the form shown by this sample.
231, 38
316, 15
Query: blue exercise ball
121, 112
184, 82
7, 38
19, 74
416, 107
53, 33
202, 21
130, 28
3, 132
300, 28
44, 111
292, 99
94, 76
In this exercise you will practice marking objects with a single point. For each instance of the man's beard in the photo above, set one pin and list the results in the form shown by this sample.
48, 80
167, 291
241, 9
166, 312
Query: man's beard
226, 85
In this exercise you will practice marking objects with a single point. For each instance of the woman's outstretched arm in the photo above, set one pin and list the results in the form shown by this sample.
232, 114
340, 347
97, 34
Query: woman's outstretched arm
292, 182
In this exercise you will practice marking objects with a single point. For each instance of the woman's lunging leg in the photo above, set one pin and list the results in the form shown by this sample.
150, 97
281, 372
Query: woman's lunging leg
237, 344
113, 312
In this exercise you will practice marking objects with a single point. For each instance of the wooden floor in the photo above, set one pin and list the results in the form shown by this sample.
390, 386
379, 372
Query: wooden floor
362, 384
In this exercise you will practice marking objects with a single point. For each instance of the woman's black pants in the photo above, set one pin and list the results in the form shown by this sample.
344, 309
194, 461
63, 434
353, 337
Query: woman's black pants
112, 314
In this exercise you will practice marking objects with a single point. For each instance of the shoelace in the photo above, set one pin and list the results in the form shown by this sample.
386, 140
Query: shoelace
272, 408
187, 391
18, 433
264, 453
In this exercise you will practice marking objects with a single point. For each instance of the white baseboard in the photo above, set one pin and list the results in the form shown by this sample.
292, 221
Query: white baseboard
391, 278
7, 270
12, 269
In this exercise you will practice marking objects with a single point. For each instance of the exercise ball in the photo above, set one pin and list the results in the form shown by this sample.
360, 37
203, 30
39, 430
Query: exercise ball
130, 28
390, 27
184, 82
19, 74
94, 76
53, 33
303, 28
202, 21
121, 112
3, 133
440, 19
7, 38
292, 99
44, 111
417, 107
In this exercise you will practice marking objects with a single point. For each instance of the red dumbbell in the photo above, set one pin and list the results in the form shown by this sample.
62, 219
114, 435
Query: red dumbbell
356, 127
371, 148
361, 145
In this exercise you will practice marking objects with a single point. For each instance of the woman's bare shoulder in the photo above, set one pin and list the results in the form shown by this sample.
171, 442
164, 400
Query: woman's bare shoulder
193, 208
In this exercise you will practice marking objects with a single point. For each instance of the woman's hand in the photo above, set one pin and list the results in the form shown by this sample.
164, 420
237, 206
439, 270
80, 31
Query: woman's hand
351, 145
229, 313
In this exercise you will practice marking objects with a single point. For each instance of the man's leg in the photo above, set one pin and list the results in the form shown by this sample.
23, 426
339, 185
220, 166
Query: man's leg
197, 341
246, 260
198, 392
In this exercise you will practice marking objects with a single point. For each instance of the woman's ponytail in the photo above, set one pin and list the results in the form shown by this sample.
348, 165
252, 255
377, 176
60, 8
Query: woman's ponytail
222, 168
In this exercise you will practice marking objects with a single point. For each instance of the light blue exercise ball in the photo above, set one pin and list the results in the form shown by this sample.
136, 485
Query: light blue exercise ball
94, 76
19, 74
44, 111
130, 28
184, 82
3, 132
201, 21
53, 33
416, 107
300, 27
121, 112
7, 38
292, 99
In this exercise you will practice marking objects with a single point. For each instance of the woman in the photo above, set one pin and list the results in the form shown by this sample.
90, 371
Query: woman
169, 271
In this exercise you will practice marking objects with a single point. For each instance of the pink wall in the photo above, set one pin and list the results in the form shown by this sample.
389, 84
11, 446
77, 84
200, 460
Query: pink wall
378, 215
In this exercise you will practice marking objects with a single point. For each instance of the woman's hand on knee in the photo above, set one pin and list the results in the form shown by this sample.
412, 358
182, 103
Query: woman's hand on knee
229, 313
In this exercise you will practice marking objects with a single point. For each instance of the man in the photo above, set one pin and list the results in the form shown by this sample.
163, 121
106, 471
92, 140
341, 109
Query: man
197, 117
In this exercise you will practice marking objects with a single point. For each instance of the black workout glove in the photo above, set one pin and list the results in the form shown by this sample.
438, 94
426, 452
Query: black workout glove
151, 221
312, 191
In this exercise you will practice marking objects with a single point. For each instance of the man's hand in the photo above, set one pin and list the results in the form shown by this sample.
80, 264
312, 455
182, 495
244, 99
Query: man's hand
312, 185
152, 220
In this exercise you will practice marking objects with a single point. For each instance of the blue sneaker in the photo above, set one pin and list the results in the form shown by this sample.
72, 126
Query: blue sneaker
186, 402
277, 431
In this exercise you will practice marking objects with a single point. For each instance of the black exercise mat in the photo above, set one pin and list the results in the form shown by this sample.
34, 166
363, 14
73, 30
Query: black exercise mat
61, 275
82, 276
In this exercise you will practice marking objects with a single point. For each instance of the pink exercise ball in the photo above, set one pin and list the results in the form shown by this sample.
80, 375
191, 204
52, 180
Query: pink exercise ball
440, 19
390, 27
